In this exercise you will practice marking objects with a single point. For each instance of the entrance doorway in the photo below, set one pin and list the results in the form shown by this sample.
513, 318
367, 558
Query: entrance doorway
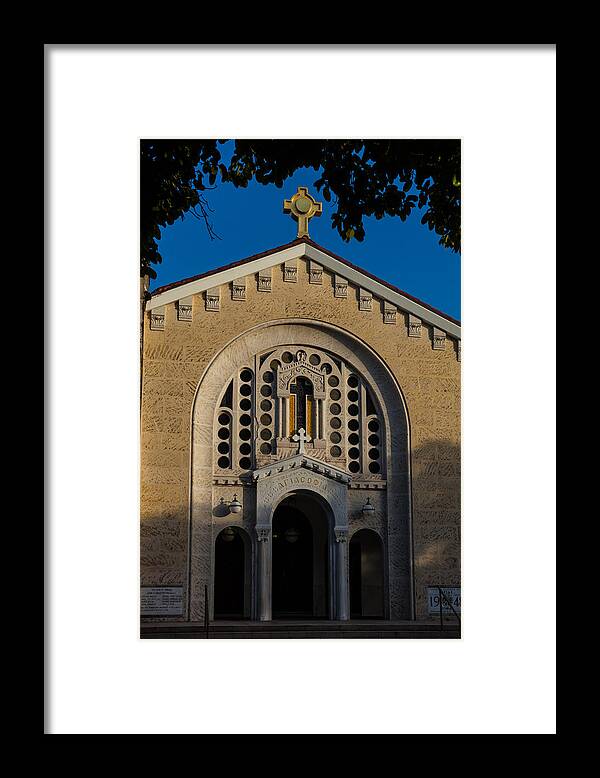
300, 582
366, 575
230, 574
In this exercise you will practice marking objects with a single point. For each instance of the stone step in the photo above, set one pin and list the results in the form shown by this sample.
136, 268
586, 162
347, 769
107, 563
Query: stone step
323, 629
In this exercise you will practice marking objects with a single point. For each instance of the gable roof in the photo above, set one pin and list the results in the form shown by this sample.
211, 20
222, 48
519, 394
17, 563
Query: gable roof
305, 247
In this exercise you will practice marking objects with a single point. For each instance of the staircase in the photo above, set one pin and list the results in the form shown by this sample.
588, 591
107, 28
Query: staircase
301, 629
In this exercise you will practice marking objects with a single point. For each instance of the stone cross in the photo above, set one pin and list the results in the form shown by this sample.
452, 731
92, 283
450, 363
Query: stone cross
301, 438
302, 207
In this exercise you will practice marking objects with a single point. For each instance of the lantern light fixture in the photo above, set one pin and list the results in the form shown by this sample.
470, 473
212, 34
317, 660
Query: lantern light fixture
235, 506
368, 509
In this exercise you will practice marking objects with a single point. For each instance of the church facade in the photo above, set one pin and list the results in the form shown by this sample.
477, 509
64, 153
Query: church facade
300, 444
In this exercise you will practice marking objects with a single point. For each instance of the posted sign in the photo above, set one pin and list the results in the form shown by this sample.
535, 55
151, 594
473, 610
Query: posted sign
162, 600
452, 593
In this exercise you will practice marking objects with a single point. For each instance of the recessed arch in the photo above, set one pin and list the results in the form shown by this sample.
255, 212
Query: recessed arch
395, 519
366, 569
232, 574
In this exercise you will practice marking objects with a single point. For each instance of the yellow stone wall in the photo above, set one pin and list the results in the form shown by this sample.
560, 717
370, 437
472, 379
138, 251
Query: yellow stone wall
174, 360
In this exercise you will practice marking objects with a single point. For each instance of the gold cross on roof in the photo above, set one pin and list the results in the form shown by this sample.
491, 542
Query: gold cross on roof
302, 207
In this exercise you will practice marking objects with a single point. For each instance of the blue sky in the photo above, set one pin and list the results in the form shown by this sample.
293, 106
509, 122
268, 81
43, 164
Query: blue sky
251, 220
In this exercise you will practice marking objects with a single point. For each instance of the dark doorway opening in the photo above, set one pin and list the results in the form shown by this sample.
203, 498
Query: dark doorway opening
300, 560
229, 575
366, 576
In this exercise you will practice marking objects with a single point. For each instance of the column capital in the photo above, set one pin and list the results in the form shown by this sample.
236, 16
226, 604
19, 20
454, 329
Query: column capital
341, 535
263, 534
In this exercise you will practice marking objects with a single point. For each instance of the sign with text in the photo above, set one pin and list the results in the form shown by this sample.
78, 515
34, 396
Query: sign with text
162, 601
452, 594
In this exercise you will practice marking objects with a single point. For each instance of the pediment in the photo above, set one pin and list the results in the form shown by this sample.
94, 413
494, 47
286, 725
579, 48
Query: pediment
319, 258
298, 463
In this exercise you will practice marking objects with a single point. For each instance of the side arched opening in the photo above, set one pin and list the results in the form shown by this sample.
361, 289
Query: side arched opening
366, 576
232, 574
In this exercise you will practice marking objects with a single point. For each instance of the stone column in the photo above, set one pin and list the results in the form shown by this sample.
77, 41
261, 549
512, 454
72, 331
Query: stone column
264, 573
341, 571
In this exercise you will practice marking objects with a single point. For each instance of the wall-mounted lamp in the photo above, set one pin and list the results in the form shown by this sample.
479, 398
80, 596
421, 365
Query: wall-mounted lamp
235, 506
368, 509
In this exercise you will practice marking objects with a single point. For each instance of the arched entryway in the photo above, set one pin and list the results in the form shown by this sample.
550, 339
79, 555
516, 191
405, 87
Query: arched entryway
301, 565
366, 575
232, 560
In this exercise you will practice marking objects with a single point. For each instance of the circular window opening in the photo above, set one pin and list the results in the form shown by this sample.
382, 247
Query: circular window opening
268, 377
223, 433
373, 425
354, 453
245, 420
335, 409
353, 439
374, 440
223, 462
353, 396
335, 452
335, 394
335, 437
223, 448
275, 364
245, 434
374, 467
373, 453
266, 434
223, 418
266, 391
245, 463
352, 381
286, 357
314, 359
245, 404
245, 449
245, 376
353, 410
265, 448
354, 467
335, 423
333, 380
266, 405
265, 419
246, 390
353, 425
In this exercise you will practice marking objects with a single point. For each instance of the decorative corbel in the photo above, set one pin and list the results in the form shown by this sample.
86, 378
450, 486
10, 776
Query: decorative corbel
157, 318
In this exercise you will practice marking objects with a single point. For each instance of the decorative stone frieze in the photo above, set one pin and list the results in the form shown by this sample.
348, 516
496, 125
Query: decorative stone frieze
213, 299
389, 313
286, 374
341, 287
315, 273
238, 289
439, 339
365, 300
265, 280
290, 271
414, 326
184, 309
157, 318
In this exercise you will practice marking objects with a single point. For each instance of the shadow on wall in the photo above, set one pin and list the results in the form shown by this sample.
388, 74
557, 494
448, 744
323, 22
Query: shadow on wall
163, 549
436, 517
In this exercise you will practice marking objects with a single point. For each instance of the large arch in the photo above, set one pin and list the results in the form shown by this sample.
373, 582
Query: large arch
311, 517
393, 513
